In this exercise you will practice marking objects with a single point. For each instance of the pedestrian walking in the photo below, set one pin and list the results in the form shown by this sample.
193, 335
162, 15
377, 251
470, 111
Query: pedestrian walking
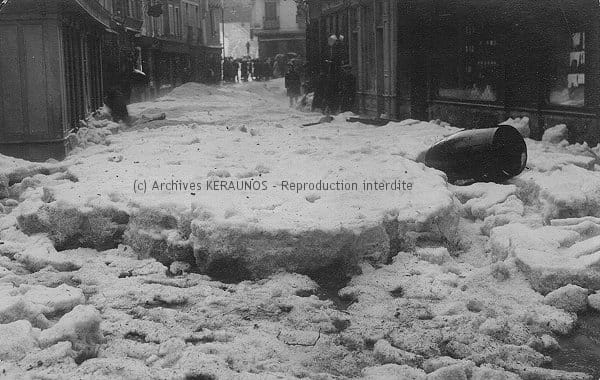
292, 84
118, 95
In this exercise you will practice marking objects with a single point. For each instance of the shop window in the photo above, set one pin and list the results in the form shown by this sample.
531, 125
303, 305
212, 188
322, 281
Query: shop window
469, 67
569, 83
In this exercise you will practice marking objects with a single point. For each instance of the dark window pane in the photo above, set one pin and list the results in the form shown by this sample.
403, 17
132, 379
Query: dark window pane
568, 87
469, 65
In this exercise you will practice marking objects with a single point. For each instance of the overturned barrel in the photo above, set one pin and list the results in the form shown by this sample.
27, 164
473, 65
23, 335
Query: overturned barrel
484, 155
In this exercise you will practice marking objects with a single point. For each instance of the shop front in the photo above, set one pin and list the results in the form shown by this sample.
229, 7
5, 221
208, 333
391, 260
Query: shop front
49, 73
473, 63
489, 60
367, 31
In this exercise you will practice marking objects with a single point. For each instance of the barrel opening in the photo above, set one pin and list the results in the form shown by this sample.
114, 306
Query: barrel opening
510, 151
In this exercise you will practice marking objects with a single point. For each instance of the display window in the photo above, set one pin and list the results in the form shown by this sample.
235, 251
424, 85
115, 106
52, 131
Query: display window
568, 88
470, 66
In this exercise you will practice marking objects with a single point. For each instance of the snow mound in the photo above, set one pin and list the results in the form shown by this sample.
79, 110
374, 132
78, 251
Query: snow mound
15, 170
18, 338
484, 199
544, 157
570, 191
79, 326
550, 257
90, 224
556, 134
295, 198
35, 302
193, 90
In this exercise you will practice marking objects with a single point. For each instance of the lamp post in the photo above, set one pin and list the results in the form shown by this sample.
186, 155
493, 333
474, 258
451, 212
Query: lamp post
223, 36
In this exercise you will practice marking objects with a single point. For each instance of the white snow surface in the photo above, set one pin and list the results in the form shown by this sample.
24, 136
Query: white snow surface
240, 135
468, 266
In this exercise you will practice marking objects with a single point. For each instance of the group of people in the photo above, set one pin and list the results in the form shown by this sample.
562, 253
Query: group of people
262, 69
231, 69
241, 69
333, 84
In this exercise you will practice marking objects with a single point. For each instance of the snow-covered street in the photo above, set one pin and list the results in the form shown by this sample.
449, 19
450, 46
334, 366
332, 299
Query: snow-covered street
229, 241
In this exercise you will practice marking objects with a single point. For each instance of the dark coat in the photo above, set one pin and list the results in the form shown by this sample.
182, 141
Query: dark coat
292, 83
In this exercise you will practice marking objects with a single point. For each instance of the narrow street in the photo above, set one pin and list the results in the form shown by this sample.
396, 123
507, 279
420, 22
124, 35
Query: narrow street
230, 241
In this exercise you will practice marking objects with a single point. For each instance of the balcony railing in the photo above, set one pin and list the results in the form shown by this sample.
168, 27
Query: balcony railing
271, 23
96, 10
132, 23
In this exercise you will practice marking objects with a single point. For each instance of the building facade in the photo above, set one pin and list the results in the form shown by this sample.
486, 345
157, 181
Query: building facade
370, 31
179, 44
473, 63
279, 27
238, 20
49, 72
59, 57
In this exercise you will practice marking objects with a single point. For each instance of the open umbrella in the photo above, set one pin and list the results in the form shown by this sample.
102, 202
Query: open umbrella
291, 55
138, 76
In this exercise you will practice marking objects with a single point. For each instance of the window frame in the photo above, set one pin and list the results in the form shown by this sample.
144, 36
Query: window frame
270, 7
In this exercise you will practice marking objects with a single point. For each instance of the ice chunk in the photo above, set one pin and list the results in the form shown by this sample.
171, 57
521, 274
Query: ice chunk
18, 339
556, 134
81, 325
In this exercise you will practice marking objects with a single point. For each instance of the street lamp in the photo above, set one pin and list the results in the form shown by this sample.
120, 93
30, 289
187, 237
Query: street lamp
223, 36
